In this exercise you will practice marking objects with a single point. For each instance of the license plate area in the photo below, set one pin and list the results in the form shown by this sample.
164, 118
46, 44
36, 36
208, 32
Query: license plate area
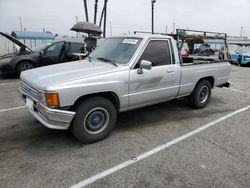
29, 103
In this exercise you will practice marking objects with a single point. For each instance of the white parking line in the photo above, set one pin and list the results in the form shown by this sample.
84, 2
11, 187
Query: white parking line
14, 108
237, 90
8, 84
154, 151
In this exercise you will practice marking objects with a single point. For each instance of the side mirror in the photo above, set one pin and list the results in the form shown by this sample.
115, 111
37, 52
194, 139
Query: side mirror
42, 53
147, 65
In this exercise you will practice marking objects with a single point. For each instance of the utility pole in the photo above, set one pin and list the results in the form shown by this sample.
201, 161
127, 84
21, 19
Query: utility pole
77, 22
95, 14
21, 25
166, 29
152, 14
241, 31
86, 10
173, 28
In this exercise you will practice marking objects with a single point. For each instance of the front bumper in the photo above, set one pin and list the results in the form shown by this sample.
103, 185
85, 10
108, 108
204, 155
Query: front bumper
51, 118
6, 68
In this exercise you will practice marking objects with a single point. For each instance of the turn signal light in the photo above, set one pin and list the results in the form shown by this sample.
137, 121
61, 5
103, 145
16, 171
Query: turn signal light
52, 99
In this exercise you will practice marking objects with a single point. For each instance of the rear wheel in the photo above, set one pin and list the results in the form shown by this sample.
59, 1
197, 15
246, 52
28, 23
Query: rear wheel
201, 94
94, 120
24, 66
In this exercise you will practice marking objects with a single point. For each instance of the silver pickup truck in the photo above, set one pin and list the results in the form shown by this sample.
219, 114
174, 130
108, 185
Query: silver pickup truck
122, 74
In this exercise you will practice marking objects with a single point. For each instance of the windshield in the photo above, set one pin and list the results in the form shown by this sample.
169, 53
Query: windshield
246, 50
41, 47
116, 50
234, 47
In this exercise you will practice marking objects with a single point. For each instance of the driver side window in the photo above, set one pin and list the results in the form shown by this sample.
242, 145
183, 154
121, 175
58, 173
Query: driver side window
55, 49
157, 52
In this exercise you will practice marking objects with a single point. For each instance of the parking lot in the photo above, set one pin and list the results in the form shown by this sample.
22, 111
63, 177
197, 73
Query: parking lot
146, 149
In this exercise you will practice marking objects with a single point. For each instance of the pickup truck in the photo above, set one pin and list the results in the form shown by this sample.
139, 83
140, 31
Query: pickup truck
123, 73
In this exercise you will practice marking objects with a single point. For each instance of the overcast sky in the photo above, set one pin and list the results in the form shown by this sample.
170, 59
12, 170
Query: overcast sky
124, 16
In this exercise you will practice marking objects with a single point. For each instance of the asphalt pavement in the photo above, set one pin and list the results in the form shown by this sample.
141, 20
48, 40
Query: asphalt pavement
218, 156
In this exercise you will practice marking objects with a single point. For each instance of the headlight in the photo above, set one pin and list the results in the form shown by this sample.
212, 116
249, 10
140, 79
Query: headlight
52, 99
5, 60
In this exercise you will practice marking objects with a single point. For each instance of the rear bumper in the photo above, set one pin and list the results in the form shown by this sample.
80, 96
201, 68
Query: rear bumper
51, 118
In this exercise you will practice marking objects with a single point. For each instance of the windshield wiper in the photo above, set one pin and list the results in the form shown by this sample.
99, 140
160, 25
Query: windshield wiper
107, 60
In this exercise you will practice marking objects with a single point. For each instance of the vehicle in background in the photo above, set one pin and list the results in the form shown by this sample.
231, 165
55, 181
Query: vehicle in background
123, 73
233, 56
52, 53
184, 53
11, 48
204, 50
243, 56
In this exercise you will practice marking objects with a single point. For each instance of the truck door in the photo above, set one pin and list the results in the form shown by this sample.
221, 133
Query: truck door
161, 82
52, 55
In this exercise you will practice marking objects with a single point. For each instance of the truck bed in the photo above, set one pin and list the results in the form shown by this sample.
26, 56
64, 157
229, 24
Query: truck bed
193, 72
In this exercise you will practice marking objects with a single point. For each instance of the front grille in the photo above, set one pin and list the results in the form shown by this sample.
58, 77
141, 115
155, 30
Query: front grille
31, 91
247, 58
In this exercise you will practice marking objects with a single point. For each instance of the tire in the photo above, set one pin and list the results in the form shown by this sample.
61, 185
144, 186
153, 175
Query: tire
23, 66
94, 120
201, 94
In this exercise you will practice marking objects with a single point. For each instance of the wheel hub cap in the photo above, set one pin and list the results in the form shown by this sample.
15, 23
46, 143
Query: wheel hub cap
203, 95
96, 120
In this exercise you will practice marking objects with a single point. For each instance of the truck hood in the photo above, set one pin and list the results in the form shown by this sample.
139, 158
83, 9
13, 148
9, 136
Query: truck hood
49, 76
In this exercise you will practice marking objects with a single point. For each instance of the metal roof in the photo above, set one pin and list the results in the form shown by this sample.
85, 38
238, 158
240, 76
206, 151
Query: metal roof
32, 35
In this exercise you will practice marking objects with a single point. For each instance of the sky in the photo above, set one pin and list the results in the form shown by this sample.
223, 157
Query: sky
125, 16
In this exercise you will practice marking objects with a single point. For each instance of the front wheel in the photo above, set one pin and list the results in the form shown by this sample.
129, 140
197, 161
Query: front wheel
94, 120
201, 94
23, 66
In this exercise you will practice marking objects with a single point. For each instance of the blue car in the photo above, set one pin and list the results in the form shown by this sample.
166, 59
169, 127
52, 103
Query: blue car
232, 55
233, 52
243, 56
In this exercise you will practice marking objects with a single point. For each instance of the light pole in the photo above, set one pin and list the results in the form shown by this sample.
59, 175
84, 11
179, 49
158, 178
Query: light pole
241, 31
21, 25
152, 7
173, 28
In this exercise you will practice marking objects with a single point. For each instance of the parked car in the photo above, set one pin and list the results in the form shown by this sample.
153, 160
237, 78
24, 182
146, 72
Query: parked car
205, 50
52, 53
243, 56
184, 53
12, 49
232, 55
122, 74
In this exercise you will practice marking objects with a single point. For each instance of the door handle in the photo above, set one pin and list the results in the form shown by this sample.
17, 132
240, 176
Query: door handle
170, 71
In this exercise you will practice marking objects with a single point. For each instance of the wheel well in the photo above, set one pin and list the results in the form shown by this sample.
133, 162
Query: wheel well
24, 61
108, 95
209, 78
